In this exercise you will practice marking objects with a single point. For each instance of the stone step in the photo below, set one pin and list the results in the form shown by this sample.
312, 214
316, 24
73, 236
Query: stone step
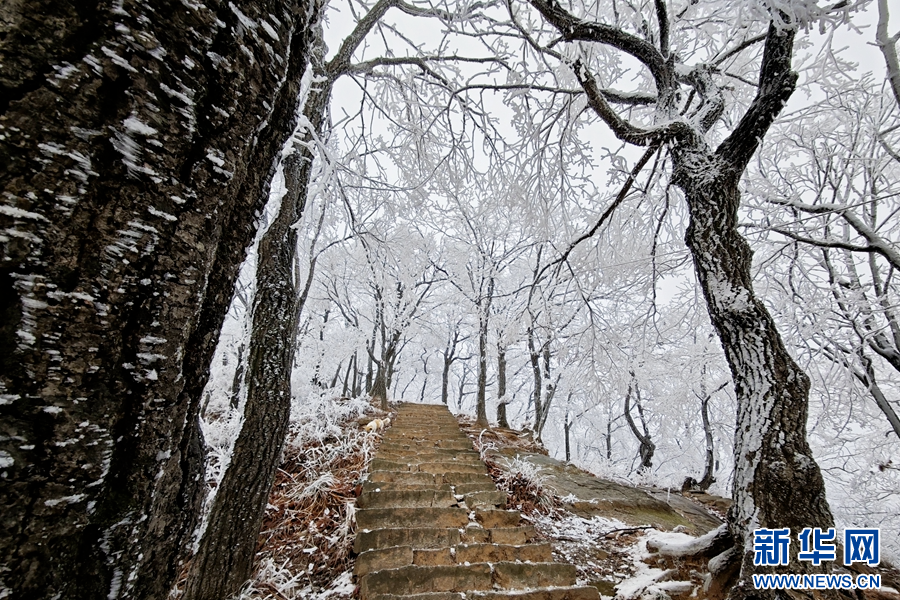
414, 537
401, 486
435, 431
394, 441
493, 553
427, 596
448, 468
433, 557
412, 458
378, 559
401, 556
404, 477
452, 467
485, 484
491, 518
415, 444
423, 579
457, 478
512, 536
491, 498
387, 518
513, 575
425, 447
413, 466
406, 498
556, 593
433, 453
418, 579
445, 440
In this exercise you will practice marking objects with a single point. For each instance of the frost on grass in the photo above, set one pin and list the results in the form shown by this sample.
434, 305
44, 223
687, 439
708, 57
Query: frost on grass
310, 525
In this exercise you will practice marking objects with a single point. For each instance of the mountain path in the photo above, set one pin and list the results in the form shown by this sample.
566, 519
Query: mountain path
431, 526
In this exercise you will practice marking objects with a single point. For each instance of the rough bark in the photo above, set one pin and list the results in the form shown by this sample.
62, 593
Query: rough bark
136, 146
224, 559
777, 482
888, 46
379, 391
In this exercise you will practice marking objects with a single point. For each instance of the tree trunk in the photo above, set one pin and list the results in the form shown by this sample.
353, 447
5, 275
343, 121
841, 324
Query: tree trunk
484, 310
647, 447
129, 197
609, 439
501, 387
777, 482
535, 358
445, 379
225, 556
379, 389
351, 368
548, 397
566, 426
708, 478
238, 378
356, 377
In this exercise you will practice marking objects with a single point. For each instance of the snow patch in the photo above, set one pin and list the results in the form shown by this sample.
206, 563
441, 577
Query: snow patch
135, 125
6, 460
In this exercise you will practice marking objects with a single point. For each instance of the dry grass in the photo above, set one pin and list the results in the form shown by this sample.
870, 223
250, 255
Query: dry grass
306, 541
520, 479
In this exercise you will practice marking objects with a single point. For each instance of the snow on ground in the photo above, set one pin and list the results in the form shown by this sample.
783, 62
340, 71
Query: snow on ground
309, 526
613, 556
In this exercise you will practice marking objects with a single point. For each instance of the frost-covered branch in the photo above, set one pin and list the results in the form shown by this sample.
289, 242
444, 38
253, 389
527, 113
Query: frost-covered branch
776, 84
876, 243
625, 131
573, 29
888, 46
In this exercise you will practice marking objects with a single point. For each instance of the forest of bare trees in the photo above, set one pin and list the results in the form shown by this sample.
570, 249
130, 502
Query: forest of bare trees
660, 235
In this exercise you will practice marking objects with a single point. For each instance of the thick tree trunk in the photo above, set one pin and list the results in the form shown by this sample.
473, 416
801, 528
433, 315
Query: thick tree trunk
131, 164
777, 482
225, 557
379, 391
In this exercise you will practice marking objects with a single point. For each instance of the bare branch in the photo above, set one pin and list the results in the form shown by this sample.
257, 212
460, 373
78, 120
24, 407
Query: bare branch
624, 130
888, 48
776, 84
573, 29
877, 243
663, 17
739, 48
620, 197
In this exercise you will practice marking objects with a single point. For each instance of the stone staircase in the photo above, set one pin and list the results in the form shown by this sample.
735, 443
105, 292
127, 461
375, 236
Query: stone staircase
431, 526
